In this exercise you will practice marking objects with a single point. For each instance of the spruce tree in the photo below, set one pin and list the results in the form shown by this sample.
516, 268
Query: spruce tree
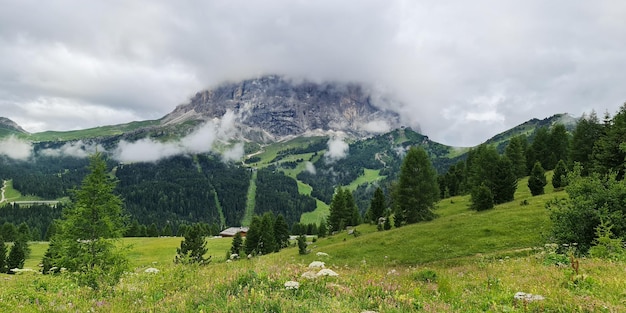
377, 205
558, 179
18, 253
588, 130
609, 153
336, 218
281, 233
537, 179
302, 246
3, 256
417, 189
253, 237
515, 151
86, 233
482, 198
505, 181
559, 143
192, 248
237, 244
322, 230
267, 241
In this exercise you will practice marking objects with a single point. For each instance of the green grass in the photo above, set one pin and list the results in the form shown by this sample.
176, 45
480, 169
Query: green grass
368, 176
463, 261
320, 212
91, 132
250, 201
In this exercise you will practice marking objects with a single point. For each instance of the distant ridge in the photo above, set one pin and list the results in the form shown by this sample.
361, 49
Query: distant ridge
8, 126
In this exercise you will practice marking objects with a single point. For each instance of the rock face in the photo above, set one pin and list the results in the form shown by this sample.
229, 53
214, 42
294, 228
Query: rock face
272, 108
8, 124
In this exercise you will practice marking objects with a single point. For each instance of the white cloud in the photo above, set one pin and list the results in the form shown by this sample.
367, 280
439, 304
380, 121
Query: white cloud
15, 148
233, 154
201, 140
337, 149
139, 60
376, 126
309, 167
77, 149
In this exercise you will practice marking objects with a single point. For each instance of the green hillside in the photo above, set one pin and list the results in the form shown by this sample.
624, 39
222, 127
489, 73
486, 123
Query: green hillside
463, 261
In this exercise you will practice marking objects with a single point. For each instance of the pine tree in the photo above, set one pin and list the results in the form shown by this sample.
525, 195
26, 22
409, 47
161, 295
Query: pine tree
84, 240
153, 231
537, 180
253, 237
417, 189
336, 218
516, 152
281, 232
3, 255
482, 198
237, 244
18, 253
558, 179
24, 230
322, 230
9, 232
267, 241
302, 246
588, 130
559, 143
505, 181
377, 205
167, 231
192, 247
50, 231
609, 154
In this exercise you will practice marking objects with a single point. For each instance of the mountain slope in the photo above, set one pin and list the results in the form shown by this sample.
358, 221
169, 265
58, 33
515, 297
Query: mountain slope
9, 127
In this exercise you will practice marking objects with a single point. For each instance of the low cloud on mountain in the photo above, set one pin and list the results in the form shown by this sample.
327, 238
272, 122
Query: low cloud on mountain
15, 148
77, 149
337, 149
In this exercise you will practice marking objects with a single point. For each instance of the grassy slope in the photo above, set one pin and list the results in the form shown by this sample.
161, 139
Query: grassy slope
91, 132
475, 262
250, 202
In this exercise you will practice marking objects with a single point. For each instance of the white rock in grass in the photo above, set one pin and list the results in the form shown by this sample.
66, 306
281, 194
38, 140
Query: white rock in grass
321, 254
528, 297
289, 285
326, 272
316, 264
151, 270
308, 275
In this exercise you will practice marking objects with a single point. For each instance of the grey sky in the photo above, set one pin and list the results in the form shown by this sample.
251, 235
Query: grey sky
465, 70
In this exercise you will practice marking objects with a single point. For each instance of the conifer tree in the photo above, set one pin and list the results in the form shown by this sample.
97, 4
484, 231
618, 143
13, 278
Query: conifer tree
588, 130
559, 143
537, 180
482, 198
417, 189
281, 233
84, 240
193, 247
3, 255
237, 244
18, 253
322, 230
505, 181
253, 237
267, 241
167, 231
558, 179
377, 205
609, 153
516, 152
336, 218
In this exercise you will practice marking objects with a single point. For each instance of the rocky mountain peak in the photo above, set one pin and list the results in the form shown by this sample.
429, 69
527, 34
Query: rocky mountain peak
11, 125
273, 108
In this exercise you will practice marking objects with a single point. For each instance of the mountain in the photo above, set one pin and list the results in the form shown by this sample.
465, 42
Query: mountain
272, 108
8, 127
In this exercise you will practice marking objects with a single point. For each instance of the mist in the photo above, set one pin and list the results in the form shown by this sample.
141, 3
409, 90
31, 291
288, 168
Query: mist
16, 148
337, 149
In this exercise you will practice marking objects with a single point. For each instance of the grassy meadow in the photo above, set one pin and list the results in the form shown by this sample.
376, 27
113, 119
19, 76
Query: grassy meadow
463, 261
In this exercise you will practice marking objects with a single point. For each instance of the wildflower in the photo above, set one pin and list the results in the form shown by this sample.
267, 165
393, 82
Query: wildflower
151, 270
234, 256
316, 264
527, 297
321, 254
308, 275
326, 272
289, 285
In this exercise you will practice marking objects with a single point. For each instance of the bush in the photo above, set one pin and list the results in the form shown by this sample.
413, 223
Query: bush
482, 198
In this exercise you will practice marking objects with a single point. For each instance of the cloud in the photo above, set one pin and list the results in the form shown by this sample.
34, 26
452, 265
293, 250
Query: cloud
201, 140
376, 126
139, 60
309, 167
337, 149
15, 148
233, 154
77, 149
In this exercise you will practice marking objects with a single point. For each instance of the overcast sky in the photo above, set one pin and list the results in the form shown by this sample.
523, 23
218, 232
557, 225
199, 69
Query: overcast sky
465, 70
